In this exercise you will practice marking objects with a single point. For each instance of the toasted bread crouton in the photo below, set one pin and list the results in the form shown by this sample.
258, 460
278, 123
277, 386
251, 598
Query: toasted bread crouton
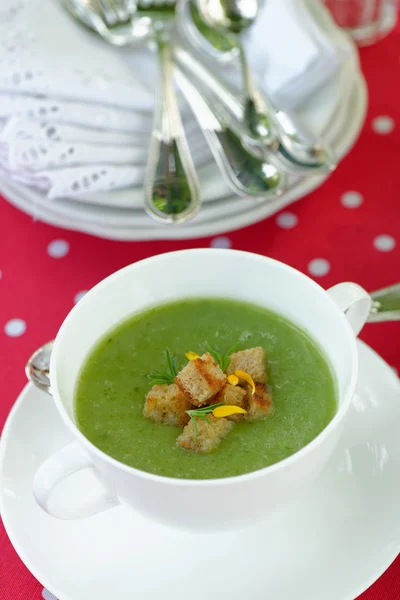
233, 396
201, 379
167, 404
252, 361
209, 434
260, 403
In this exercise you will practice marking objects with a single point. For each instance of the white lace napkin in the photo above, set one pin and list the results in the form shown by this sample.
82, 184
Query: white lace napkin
75, 114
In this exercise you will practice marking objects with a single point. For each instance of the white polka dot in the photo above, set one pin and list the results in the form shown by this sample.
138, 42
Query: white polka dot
58, 248
384, 243
221, 242
15, 327
352, 199
79, 296
287, 220
319, 267
396, 372
383, 125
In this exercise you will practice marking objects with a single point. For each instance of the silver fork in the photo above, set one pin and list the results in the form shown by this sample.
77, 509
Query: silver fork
172, 190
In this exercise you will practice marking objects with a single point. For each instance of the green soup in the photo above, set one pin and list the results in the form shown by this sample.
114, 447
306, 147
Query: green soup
113, 384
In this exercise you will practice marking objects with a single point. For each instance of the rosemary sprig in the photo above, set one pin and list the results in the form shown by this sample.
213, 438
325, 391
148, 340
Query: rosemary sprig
223, 360
201, 413
159, 377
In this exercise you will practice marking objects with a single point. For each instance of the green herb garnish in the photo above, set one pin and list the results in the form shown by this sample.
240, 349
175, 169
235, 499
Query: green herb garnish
224, 360
201, 413
158, 377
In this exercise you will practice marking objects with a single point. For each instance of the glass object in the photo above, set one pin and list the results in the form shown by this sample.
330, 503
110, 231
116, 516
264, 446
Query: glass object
367, 21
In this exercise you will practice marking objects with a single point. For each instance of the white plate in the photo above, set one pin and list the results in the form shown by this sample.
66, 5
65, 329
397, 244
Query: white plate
108, 216
103, 214
216, 217
332, 543
320, 115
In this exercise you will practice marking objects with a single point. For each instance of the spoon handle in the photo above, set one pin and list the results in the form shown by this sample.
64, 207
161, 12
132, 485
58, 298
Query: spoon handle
172, 191
244, 173
256, 113
386, 306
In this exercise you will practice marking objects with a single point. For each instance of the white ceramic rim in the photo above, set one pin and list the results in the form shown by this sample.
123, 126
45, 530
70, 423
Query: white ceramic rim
160, 258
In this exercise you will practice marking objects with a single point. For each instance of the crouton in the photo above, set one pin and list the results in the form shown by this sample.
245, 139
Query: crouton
201, 379
209, 434
233, 396
260, 403
252, 361
167, 404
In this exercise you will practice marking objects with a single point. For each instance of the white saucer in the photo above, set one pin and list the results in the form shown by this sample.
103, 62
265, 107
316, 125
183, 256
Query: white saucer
332, 543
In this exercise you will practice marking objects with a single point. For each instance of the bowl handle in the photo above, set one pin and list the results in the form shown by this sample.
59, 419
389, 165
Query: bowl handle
354, 301
91, 499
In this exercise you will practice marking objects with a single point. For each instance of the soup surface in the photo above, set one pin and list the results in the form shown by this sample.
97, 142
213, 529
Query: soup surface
114, 381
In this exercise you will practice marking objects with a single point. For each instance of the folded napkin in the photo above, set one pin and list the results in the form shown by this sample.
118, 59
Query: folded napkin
75, 113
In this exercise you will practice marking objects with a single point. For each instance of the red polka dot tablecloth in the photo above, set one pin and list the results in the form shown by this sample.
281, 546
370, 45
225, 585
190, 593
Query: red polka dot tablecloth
349, 229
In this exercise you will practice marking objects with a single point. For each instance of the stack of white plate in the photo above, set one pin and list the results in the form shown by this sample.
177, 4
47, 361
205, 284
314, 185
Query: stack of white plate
336, 113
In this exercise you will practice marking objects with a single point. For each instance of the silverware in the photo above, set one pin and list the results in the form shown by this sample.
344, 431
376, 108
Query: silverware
172, 190
245, 173
386, 307
37, 368
301, 149
234, 17
232, 107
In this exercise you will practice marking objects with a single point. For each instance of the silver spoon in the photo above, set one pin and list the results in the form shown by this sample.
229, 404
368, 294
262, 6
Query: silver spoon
171, 187
226, 100
386, 307
235, 16
246, 174
37, 368
295, 142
